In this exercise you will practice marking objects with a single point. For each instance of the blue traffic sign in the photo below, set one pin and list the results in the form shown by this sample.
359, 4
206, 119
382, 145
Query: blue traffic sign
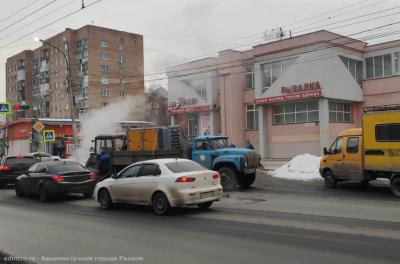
49, 136
5, 108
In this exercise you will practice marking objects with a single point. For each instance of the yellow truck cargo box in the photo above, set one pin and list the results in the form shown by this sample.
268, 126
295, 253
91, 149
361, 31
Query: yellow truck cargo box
142, 139
135, 140
381, 135
150, 141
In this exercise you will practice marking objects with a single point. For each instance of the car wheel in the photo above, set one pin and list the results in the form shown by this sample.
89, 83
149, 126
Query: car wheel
330, 180
395, 186
247, 180
18, 190
105, 200
205, 205
160, 204
228, 178
88, 194
43, 194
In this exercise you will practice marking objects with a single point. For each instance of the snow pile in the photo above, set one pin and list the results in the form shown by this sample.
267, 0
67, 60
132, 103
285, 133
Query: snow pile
303, 167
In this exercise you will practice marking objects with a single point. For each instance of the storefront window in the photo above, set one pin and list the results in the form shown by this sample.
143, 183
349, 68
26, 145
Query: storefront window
340, 112
272, 71
249, 77
299, 112
200, 87
193, 126
355, 67
379, 66
251, 117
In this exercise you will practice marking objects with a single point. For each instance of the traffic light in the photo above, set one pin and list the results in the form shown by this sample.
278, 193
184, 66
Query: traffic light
20, 107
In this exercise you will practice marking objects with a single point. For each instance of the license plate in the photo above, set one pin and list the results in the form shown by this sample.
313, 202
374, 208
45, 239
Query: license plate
207, 195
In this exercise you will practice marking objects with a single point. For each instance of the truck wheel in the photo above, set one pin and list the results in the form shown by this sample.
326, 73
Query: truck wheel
330, 180
245, 181
395, 186
228, 178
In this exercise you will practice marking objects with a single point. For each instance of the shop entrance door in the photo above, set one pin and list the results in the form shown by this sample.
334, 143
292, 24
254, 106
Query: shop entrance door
193, 126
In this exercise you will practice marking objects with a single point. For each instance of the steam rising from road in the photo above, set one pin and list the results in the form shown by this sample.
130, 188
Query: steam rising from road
103, 121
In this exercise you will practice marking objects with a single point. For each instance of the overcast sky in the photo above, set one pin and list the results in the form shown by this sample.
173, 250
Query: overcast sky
182, 30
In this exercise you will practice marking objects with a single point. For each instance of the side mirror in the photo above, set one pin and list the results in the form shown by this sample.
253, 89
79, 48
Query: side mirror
113, 176
326, 152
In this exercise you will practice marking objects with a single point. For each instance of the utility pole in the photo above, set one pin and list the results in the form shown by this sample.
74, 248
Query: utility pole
71, 96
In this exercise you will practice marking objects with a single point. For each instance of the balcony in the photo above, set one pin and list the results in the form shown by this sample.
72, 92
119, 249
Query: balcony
45, 89
21, 75
44, 66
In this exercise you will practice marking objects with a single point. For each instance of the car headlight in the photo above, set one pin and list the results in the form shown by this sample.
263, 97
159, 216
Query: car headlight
245, 162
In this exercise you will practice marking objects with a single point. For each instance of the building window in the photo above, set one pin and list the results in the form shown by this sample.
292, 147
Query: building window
120, 46
104, 68
104, 80
378, 66
200, 87
397, 62
249, 77
104, 43
340, 112
272, 71
299, 112
251, 117
105, 92
121, 93
105, 56
355, 67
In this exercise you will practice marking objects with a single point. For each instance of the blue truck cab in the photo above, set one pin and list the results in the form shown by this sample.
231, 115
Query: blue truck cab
237, 166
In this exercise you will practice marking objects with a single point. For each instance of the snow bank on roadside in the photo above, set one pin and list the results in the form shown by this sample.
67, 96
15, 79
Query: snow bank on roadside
303, 167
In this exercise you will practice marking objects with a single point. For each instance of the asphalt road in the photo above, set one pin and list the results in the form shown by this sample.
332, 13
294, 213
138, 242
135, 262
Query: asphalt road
275, 222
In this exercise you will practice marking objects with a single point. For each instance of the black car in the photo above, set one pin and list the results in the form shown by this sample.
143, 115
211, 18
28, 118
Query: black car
14, 166
55, 178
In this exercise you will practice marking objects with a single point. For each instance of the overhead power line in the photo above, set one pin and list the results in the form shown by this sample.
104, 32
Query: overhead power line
231, 64
19, 11
49, 24
28, 15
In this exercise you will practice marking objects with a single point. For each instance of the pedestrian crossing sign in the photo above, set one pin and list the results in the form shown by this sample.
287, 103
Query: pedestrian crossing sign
49, 135
5, 108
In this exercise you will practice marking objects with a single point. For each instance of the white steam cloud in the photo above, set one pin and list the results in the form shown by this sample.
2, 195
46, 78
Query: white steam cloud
104, 121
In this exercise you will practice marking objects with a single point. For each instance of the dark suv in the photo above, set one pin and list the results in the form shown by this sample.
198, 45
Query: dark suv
13, 166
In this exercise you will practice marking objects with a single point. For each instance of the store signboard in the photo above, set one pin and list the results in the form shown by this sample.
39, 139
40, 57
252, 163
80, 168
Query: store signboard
188, 109
289, 97
294, 92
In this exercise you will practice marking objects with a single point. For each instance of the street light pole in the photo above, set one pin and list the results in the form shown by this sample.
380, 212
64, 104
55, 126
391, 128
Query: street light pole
69, 84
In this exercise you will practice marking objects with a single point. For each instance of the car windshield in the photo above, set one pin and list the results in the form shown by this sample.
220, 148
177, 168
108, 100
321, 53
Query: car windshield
184, 166
65, 168
19, 161
218, 143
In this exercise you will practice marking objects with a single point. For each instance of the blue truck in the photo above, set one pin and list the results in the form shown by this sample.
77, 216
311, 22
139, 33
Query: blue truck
237, 166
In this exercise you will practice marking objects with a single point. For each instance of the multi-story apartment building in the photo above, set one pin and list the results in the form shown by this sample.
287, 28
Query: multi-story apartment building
106, 65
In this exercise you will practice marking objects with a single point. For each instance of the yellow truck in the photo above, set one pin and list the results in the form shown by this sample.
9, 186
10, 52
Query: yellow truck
367, 153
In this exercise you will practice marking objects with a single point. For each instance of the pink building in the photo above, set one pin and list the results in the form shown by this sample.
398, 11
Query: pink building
287, 97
